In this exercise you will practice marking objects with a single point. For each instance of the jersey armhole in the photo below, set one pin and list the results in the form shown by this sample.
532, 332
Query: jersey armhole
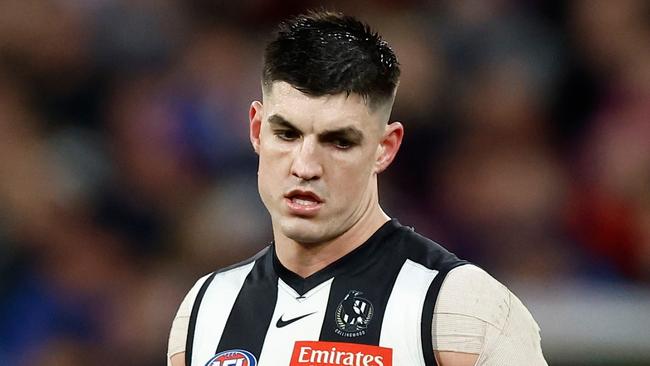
193, 315
427, 313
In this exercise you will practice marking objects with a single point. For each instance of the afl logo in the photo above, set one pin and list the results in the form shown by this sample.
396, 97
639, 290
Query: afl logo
236, 357
353, 315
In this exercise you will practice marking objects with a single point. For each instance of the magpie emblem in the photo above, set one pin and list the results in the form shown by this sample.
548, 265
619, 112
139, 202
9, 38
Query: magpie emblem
353, 315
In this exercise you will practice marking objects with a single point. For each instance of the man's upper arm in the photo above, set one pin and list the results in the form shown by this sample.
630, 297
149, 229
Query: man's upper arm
454, 359
177, 359
475, 314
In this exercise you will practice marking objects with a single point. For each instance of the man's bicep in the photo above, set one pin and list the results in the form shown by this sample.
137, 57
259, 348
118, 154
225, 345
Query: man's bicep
455, 358
178, 359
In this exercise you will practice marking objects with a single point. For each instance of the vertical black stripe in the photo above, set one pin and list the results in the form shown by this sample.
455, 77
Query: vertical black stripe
251, 314
374, 283
189, 343
427, 313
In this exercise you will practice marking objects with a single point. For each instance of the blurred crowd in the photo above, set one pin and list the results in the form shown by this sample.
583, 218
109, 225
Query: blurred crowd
126, 171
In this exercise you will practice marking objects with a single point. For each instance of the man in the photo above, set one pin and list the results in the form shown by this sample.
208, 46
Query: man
342, 283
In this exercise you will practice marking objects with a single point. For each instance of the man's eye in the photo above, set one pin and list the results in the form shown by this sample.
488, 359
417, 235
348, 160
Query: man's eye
342, 143
287, 135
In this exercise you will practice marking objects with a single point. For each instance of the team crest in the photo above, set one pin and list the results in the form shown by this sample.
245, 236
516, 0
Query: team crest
353, 315
236, 357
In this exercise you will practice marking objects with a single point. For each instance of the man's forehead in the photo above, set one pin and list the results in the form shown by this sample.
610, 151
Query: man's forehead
281, 91
291, 103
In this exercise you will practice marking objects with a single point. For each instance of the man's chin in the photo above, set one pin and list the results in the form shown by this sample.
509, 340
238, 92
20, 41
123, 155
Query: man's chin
304, 237
304, 232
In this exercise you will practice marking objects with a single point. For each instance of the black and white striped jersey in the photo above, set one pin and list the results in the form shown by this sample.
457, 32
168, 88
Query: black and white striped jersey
373, 307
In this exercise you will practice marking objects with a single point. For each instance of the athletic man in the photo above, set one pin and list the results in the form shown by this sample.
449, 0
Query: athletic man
342, 283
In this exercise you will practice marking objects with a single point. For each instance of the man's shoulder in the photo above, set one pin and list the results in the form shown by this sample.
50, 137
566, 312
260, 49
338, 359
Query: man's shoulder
246, 262
225, 272
427, 252
477, 314
470, 291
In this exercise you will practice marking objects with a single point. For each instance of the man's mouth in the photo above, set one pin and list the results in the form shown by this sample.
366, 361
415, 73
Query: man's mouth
303, 203
303, 197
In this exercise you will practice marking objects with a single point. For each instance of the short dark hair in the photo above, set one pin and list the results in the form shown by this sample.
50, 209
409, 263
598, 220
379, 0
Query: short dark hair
327, 53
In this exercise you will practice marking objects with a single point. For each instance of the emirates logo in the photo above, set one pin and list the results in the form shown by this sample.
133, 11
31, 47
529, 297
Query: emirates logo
318, 353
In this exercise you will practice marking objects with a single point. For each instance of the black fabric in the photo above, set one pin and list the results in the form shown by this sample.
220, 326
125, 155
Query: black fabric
344, 264
252, 311
371, 270
189, 343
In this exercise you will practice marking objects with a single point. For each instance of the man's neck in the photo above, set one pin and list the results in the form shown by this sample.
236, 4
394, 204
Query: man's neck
307, 259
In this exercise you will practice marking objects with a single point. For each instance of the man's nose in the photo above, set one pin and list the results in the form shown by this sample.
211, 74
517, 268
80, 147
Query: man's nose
306, 164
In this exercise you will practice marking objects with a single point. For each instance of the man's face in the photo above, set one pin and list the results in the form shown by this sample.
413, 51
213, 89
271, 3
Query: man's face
318, 159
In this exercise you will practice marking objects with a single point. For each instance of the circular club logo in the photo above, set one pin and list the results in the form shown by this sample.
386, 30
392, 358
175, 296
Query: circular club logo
353, 315
236, 357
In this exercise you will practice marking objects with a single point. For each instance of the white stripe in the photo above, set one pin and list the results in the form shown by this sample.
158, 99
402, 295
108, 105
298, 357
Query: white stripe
278, 344
401, 328
214, 311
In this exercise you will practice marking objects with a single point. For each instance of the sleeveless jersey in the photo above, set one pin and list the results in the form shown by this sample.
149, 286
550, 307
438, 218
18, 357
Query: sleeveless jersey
372, 307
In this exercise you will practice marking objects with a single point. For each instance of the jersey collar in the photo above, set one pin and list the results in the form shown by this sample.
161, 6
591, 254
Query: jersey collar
357, 258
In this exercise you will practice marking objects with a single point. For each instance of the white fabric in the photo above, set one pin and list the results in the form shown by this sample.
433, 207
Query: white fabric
289, 305
404, 333
180, 325
221, 295
474, 314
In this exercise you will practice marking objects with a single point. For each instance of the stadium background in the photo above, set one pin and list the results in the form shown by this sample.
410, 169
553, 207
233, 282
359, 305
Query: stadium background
125, 170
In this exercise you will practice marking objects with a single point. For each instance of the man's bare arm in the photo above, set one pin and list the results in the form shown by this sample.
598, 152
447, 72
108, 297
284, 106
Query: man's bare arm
178, 359
455, 358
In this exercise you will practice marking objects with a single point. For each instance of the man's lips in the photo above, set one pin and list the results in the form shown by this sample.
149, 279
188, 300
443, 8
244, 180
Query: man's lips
303, 203
301, 195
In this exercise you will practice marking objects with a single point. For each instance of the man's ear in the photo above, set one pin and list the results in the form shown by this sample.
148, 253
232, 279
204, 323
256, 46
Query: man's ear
255, 120
389, 145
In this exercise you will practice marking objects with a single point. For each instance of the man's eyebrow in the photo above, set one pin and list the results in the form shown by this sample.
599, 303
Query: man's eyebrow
279, 121
351, 133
